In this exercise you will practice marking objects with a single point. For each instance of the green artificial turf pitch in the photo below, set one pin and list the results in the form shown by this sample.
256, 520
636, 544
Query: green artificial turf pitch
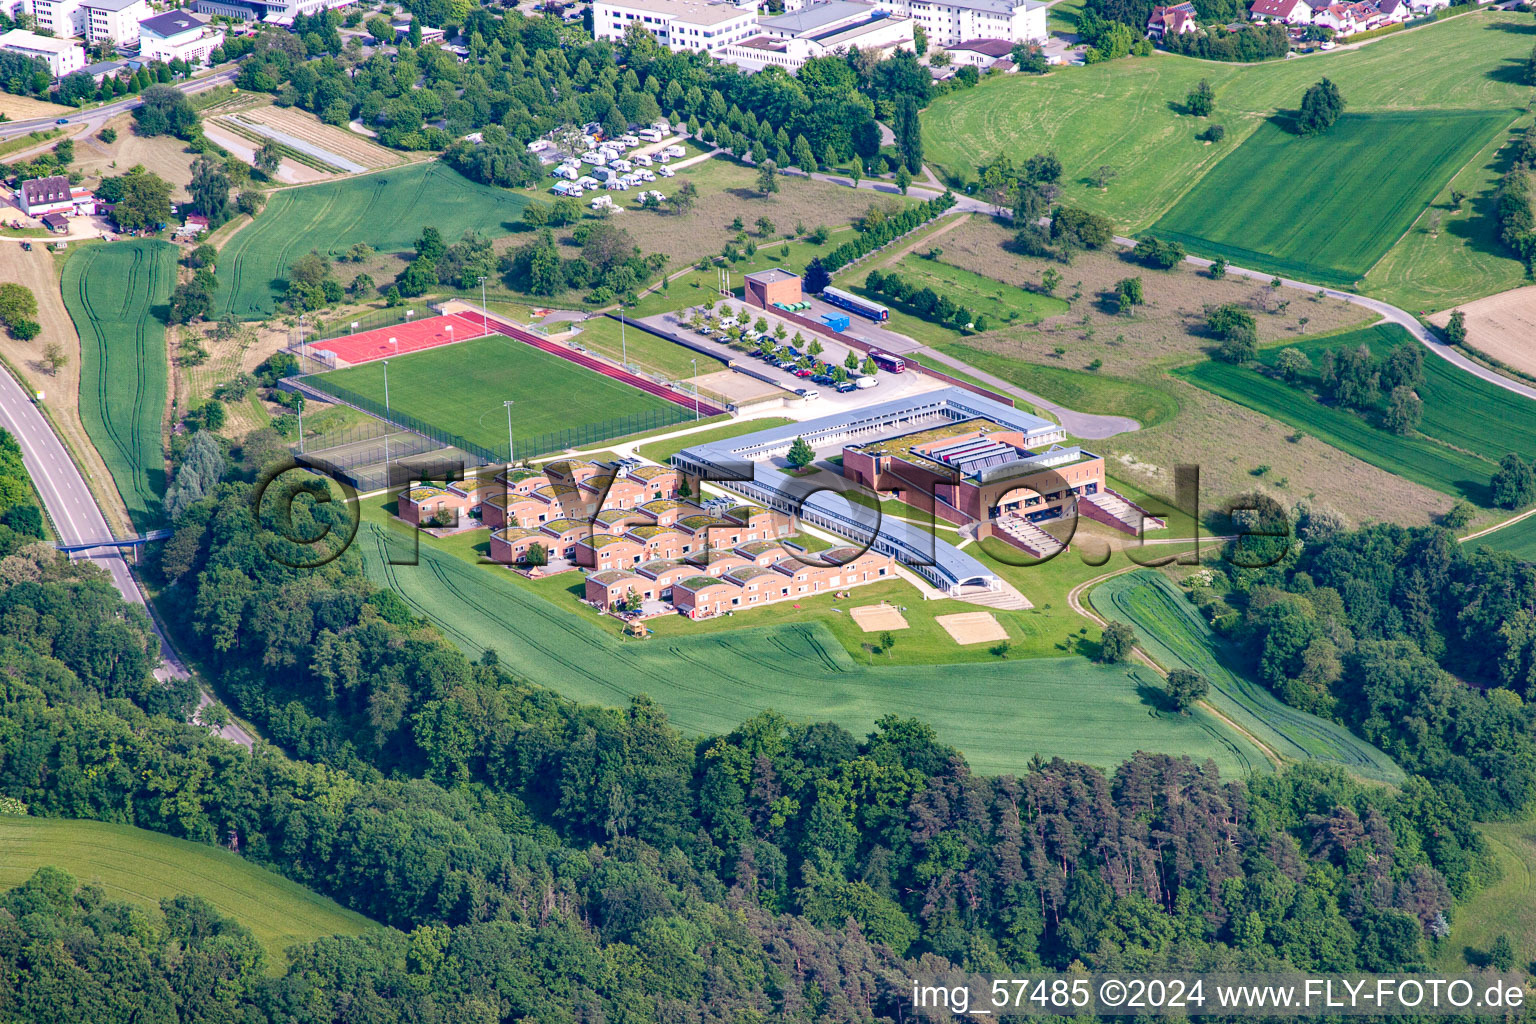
1325, 208
460, 389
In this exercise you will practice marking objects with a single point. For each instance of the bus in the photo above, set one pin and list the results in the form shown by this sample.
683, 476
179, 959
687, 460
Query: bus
854, 304
888, 362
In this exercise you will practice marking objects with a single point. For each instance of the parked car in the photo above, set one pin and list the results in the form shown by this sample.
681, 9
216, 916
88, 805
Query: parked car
843, 387
821, 378
807, 393
801, 371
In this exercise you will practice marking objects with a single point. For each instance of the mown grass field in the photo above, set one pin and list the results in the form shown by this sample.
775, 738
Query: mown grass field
1076, 389
1518, 538
142, 867
460, 389
1128, 114
662, 451
1325, 208
111, 292
1174, 635
999, 712
1467, 426
1002, 304
1507, 907
387, 210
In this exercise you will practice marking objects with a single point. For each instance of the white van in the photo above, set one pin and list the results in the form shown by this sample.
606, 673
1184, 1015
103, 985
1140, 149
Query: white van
865, 382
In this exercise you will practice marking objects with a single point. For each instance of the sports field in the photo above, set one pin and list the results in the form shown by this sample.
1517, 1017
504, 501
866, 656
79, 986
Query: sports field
1128, 114
402, 339
461, 389
111, 291
387, 210
142, 867
1172, 632
1467, 426
1325, 208
1000, 713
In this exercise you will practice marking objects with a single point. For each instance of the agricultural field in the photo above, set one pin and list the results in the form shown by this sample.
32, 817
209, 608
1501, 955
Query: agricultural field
1453, 451
1502, 327
1053, 359
460, 388
387, 210
1517, 538
309, 137
1001, 714
1381, 170
1174, 635
141, 867
112, 292
25, 108
37, 271
1128, 115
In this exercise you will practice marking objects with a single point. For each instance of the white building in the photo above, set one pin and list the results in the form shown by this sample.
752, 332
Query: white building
113, 20
63, 56
980, 53
177, 35
1289, 12
948, 22
61, 17
821, 30
677, 24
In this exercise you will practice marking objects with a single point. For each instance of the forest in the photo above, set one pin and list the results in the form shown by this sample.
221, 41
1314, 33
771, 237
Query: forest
533, 858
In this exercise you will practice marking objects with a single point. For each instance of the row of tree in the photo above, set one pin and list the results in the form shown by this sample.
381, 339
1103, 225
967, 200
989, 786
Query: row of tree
924, 301
887, 230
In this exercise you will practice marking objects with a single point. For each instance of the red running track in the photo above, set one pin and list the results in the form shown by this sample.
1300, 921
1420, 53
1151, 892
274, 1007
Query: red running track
545, 345
412, 336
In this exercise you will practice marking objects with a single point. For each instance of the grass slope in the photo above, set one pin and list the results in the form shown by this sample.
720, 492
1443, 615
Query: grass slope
460, 388
1467, 426
1002, 304
142, 867
1506, 907
110, 291
1172, 632
1325, 208
1075, 389
1000, 714
387, 210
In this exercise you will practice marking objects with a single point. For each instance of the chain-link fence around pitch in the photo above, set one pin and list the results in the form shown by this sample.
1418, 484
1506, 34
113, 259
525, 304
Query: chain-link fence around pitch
527, 447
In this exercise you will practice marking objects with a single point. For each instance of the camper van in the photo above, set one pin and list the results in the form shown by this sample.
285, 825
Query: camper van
650, 134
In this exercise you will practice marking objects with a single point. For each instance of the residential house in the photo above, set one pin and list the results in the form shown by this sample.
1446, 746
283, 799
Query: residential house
1287, 12
980, 53
1178, 19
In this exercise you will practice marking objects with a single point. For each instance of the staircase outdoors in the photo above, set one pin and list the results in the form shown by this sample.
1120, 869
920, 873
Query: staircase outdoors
1022, 533
1112, 509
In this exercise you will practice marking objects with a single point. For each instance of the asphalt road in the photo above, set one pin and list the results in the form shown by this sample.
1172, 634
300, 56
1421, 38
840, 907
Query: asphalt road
77, 518
97, 116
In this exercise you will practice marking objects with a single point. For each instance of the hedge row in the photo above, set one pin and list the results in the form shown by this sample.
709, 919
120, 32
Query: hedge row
887, 231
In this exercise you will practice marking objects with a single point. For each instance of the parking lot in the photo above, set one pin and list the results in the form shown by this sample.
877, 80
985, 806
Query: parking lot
888, 385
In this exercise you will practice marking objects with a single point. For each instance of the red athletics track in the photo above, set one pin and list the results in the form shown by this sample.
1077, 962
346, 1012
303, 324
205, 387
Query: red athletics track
412, 336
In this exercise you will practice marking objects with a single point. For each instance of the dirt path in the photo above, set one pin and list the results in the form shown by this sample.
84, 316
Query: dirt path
1074, 601
36, 271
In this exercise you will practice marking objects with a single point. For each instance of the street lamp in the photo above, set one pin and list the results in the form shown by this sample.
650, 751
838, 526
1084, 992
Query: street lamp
301, 334
623, 346
511, 451
484, 323
387, 420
